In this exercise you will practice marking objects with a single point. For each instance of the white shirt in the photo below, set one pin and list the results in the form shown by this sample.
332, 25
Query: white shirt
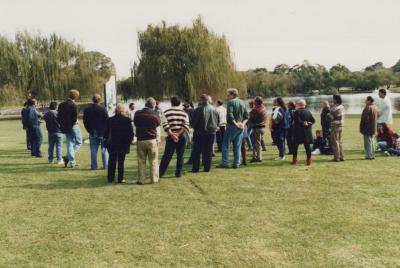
132, 114
221, 110
385, 110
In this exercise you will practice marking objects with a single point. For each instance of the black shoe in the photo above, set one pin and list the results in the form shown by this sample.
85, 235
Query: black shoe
221, 166
188, 163
178, 175
341, 159
253, 160
110, 181
65, 161
139, 183
235, 166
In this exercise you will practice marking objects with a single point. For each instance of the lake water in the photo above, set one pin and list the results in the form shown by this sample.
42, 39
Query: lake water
354, 103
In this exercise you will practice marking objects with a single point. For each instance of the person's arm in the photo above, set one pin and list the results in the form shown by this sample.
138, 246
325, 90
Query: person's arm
86, 119
130, 131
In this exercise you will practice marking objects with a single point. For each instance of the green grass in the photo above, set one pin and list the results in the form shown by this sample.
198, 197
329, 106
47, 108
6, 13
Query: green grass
263, 215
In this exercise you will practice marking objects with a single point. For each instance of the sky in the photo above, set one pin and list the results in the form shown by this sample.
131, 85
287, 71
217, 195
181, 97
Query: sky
356, 33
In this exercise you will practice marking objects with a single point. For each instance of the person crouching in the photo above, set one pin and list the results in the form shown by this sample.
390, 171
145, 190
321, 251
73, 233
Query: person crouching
303, 121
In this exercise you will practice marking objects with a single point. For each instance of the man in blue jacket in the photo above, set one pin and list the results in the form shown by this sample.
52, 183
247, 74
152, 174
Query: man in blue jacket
32, 123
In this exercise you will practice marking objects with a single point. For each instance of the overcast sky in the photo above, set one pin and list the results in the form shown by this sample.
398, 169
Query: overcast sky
356, 33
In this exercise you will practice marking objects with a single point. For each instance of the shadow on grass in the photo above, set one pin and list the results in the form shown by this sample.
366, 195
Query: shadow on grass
64, 184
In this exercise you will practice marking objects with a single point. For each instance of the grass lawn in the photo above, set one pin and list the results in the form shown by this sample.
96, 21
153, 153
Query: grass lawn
264, 215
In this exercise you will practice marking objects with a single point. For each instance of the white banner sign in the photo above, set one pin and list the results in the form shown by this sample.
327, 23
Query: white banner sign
110, 95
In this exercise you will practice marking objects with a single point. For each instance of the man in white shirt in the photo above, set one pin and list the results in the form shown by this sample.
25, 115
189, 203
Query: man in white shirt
131, 115
221, 110
385, 108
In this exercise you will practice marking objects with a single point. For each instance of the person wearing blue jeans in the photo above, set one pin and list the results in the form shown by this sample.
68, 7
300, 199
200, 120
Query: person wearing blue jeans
96, 141
280, 119
95, 119
32, 123
237, 117
54, 133
74, 142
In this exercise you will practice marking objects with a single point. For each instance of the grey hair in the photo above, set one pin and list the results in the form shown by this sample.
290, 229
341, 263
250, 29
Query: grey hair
150, 102
301, 103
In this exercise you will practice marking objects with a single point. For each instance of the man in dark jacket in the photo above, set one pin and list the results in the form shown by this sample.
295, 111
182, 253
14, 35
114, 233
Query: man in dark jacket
118, 136
368, 124
303, 121
54, 133
23, 116
95, 119
205, 124
68, 118
258, 119
32, 123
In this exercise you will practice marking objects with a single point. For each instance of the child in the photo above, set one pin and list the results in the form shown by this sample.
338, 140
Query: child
318, 144
54, 134
395, 150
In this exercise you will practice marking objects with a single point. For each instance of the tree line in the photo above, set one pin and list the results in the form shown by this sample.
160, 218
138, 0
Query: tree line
45, 68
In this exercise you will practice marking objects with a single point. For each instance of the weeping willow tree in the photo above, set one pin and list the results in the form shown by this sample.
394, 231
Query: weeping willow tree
185, 61
47, 67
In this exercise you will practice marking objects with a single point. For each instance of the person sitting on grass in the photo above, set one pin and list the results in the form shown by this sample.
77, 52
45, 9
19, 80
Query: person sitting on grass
395, 150
384, 137
54, 134
118, 136
318, 145
303, 121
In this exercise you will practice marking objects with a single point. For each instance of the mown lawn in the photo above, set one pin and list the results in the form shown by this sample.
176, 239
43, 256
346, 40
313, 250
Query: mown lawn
263, 215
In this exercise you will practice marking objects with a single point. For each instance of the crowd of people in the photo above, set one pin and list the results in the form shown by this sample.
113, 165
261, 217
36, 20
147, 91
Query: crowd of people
200, 129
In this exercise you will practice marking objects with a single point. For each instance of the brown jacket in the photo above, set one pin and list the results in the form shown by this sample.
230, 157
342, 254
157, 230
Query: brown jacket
369, 118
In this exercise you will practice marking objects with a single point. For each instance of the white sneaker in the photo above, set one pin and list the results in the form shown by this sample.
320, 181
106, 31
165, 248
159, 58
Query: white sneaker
50, 161
387, 153
316, 152
280, 159
61, 162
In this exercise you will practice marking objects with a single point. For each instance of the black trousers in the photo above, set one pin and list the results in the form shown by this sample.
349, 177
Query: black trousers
290, 140
220, 137
307, 147
203, 144
170, 148
112, 162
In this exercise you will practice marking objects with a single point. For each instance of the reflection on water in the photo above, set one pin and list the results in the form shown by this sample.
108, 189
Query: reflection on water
354, 103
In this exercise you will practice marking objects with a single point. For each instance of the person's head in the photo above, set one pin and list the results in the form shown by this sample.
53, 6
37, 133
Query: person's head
157, 104
258, 101
204, 99
96, 98
150, 103
120, 109
220, 102
382, 93
251, 104
175, 101
291, 105
53, 106
396, 136
325, 105
369, 100
232, 93
318, 133
281, 103
301, 104
131, 106
30, 102
383, 128
73, 94
337, 99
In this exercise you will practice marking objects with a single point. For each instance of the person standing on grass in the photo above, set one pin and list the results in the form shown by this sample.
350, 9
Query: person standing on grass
54, 134
118, 136
221, 110
176, 124
385, 108
68, 118
326, 126
303, 121
95, 119
159, 111
368, 124
290, 130
24, 127
205, 124
336, 116
32, 123
236, 118
258, 119
280, 124
146, 122
131, 114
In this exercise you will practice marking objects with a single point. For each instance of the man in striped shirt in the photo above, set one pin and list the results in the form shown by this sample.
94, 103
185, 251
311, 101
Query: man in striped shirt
176, 124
